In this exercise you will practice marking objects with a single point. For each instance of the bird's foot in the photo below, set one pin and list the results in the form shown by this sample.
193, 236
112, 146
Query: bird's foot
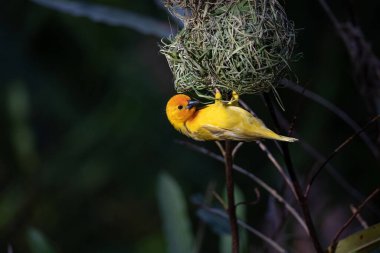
218, 95
234, 99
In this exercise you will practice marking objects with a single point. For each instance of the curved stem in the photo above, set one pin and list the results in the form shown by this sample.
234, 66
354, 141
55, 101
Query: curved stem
277, 166
297, 187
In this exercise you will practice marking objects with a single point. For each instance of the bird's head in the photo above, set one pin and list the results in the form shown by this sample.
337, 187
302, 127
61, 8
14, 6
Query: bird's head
179, 109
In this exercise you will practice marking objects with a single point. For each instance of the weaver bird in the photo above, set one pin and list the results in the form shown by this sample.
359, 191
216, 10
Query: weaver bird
217, 121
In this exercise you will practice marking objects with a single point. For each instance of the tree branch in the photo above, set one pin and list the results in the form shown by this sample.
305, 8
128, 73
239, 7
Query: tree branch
297, 187
277, 165
231, 208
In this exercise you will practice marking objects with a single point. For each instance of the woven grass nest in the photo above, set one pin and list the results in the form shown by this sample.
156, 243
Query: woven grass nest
241, 45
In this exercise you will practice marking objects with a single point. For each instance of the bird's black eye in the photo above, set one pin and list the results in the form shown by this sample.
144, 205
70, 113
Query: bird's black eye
180, 107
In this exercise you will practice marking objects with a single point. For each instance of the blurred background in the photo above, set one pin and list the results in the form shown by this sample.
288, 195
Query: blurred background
84, 135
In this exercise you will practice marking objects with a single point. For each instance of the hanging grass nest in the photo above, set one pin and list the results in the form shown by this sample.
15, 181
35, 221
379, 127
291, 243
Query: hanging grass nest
241, 45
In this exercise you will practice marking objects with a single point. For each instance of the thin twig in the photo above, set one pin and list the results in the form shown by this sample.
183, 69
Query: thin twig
231, 210
332, 155
297, 187
253, 177
264, 148
334, 109
244, 225
332, 171
236, 148
277, 165
220, 148
334, 242
220, 200
251, 202
360, 219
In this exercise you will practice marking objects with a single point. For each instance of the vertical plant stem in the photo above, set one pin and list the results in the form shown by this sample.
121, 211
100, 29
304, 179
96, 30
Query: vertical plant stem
231, 208
302, 200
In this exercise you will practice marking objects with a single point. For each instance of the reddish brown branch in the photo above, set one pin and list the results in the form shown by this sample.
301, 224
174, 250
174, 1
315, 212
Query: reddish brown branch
297, 187
231, 208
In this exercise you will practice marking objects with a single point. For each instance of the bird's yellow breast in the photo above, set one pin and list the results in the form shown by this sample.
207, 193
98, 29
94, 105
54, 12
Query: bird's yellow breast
215, 115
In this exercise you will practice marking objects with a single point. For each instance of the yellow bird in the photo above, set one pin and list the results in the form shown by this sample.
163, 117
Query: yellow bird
217, 121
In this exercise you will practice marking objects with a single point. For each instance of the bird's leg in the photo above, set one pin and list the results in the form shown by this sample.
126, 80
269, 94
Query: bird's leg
218, 96
234, 99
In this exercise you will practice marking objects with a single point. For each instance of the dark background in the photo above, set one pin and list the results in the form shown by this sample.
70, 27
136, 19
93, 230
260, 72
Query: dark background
83, 130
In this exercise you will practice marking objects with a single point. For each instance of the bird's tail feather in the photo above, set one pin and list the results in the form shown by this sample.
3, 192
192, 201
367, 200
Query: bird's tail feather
269, 134
285, 138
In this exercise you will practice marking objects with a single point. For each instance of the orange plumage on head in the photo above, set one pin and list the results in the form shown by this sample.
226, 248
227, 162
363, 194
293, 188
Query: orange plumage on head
178, 110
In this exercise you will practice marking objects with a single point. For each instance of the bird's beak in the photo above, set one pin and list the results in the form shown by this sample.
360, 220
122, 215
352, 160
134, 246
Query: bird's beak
192, 103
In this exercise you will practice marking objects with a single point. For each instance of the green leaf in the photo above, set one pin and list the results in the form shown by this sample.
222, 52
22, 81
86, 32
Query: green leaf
364, 241
37, 242
174, 215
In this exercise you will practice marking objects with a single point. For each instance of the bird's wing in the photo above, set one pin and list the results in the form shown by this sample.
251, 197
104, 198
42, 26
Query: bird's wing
218, 133
243, 114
